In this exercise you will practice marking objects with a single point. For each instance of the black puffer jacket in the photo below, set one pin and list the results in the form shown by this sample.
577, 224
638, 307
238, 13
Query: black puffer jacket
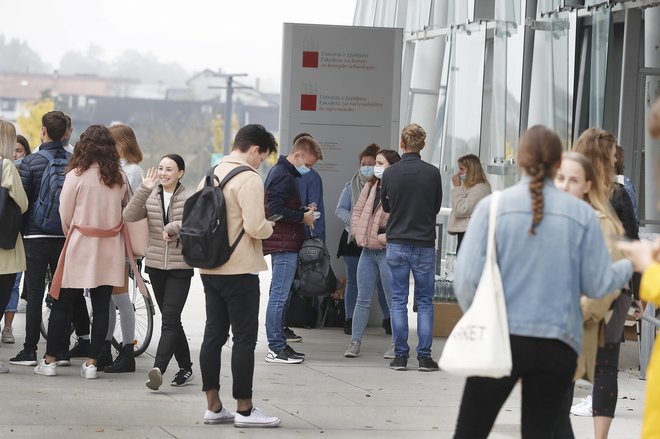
31, 170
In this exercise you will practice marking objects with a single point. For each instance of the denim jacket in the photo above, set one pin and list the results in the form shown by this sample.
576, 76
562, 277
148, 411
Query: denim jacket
544, 274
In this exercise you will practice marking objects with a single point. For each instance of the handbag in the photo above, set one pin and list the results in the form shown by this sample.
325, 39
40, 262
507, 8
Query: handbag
138, 232
10, 217
479, 344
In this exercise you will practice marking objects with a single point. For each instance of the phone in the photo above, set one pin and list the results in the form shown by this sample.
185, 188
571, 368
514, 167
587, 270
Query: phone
274, 218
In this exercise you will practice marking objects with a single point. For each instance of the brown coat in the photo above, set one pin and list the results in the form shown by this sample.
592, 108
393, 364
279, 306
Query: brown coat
86, 200
146, 203
596, 311
463, 202
365, 222
244, 195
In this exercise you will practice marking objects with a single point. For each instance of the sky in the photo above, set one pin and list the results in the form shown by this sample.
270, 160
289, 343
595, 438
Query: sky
239, 36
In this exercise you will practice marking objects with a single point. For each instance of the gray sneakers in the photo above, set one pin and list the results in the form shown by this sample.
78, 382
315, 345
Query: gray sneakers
389, 353
353, 350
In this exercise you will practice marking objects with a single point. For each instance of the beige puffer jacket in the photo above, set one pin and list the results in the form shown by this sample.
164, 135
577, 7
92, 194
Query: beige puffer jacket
146, 203
365, 222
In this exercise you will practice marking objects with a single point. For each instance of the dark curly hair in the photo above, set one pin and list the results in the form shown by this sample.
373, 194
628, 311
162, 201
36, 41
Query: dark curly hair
96, 145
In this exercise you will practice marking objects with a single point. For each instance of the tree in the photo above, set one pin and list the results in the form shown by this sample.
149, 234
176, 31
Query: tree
29, 123
90, 63
17, 56
147, 68
218, 129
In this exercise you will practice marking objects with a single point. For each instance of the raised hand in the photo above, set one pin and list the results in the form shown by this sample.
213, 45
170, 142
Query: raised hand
151, 179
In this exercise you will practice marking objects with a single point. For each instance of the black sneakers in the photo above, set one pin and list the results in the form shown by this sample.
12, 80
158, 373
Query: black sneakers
399, 363
80, 349
183, 377
282, 358
291, 337
288, 350
24, 359
427, 364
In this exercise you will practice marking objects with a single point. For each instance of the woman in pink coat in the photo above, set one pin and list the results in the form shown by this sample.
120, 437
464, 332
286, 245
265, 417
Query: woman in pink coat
91, 204
368, 222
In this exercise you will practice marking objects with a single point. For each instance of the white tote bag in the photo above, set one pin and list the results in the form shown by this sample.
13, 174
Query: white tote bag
479, 343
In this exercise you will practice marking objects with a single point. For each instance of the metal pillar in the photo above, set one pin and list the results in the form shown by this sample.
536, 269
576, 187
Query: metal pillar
652, 147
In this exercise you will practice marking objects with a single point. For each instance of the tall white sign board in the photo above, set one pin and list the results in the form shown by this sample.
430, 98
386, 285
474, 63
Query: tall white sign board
341, 84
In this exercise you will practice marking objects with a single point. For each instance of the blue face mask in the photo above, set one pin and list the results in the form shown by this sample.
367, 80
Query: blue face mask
302, 169
462, 177
367, 171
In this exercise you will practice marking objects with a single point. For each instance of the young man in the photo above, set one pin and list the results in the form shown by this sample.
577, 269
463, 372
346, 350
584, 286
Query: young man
232, 290
283, 198
412, 194
42, 249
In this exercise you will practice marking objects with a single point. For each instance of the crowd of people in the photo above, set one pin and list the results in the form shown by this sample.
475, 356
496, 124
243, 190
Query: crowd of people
566, 277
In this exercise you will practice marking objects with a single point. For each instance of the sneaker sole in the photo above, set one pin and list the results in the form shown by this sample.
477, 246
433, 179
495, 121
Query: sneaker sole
218, 421
188, 381
294, 340
429, 369
155, 380
289, 361
399, 368
23, 363
8, 341
255, 425
389, 357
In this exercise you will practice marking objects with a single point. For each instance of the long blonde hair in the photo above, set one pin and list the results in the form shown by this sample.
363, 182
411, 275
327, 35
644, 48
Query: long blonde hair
598, 145
598, 195
475, 172
7, 139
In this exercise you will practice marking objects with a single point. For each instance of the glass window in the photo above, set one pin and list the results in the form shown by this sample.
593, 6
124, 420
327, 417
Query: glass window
8, 104
442, 103
600, 38
461, 11
364, 12
508, 10
418, 15
462, 130
386, 13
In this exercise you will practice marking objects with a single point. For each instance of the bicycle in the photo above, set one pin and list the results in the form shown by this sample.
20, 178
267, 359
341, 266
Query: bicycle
144, 315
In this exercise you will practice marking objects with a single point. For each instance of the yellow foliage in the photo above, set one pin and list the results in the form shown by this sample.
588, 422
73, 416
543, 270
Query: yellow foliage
218, 130
29, 123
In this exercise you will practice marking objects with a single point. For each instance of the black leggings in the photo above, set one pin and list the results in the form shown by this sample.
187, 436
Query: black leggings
6, 286
546, 367
606, 387
59, 325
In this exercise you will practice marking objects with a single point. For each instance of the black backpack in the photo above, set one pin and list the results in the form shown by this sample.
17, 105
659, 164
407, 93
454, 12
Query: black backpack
204, 236
47, 206
314, 271
10, 218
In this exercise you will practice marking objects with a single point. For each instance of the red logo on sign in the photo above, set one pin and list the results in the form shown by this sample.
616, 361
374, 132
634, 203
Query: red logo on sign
310, 60
308, 102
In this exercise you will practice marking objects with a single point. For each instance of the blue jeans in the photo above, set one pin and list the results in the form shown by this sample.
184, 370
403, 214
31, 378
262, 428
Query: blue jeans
350, 294
421, 261
384, 301
284, 270
372, 269
12, 306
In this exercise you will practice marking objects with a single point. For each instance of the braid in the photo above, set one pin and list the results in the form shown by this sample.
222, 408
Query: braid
536, 190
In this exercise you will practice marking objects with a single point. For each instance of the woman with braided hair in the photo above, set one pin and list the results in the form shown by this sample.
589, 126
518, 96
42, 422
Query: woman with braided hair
550, 249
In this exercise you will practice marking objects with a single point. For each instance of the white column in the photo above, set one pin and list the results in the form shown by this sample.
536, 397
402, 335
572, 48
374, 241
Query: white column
651, 60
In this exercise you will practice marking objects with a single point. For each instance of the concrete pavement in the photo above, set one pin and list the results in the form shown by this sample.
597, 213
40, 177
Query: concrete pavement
327, 396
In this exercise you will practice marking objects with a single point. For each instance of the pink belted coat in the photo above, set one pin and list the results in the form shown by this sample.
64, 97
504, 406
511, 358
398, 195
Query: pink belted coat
85, 200
367, 222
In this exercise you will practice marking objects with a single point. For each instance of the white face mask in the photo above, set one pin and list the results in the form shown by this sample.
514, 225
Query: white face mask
378, 171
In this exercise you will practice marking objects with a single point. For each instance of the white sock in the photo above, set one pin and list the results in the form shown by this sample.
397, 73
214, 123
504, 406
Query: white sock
127, 317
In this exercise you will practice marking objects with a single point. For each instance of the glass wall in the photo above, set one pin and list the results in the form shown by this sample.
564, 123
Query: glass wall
600, 39
418, 15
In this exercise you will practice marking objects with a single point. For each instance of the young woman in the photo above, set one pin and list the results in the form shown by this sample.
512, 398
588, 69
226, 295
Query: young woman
368, 222
21, 149
12, 261
541, 288
577, 177
160, 199
129, 157
600, 148
348, 249
91, 205
470, 185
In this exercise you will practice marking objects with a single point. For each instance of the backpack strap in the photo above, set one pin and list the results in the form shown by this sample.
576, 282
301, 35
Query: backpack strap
1, 159
233, 173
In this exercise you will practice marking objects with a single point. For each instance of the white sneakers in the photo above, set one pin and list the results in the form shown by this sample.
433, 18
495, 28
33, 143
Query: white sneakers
155, 378
49, 370
88, 372
224, 416
256, 420
4, 368
583, 408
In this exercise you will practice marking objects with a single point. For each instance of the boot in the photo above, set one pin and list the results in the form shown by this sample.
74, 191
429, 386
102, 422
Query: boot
105, 358
125, 361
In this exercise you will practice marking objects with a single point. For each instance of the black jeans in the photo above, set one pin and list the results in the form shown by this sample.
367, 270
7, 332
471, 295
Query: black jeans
6, 287
564, 429
546, 367
171, 291
80, 316
41, 254
59, 325
230, 300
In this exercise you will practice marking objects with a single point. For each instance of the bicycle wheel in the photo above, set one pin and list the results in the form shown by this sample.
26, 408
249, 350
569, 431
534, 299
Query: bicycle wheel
144, 323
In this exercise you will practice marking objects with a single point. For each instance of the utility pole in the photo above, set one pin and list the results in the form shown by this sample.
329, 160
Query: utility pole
230, 87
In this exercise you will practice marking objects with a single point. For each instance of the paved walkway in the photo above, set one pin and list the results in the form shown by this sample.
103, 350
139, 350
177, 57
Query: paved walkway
328, 396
